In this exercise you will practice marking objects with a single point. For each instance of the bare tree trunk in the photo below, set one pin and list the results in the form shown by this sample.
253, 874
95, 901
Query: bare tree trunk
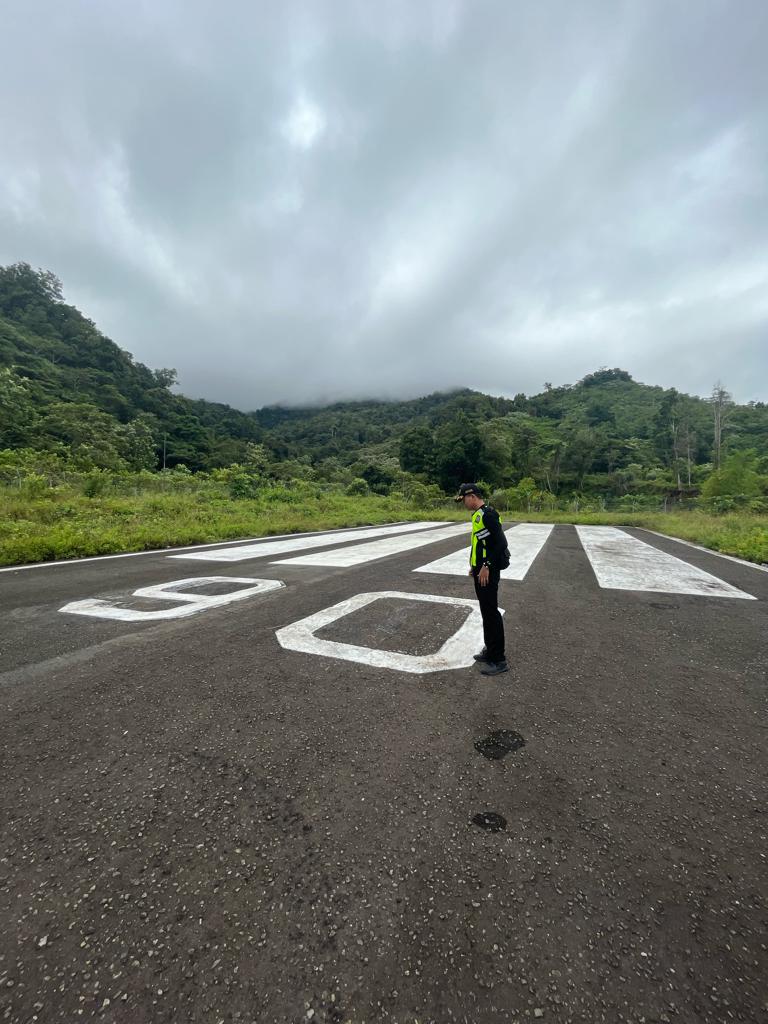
722, 404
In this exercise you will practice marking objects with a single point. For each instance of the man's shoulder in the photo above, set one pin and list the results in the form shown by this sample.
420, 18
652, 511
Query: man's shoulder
491, 517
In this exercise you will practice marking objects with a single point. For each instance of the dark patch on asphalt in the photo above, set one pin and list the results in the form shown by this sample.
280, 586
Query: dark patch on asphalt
499, 743
663, 606
394, 624
490, 821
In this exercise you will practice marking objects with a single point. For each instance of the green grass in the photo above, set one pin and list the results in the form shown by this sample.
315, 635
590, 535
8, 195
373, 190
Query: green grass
63, 523
56, 527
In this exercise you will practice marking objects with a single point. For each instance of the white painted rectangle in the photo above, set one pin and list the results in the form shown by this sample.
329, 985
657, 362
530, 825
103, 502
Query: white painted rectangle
524, 541
622, 562
301, 542
360, 553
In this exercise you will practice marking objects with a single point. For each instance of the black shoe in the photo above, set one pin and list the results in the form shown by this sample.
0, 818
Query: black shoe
494, 668
482, 655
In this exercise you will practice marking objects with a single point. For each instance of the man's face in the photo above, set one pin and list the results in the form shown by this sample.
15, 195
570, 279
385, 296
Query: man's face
471, 502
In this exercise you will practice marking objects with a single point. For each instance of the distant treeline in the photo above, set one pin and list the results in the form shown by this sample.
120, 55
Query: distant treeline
74, 404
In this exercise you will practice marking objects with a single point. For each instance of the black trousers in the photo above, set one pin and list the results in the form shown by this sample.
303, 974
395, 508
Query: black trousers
493, 625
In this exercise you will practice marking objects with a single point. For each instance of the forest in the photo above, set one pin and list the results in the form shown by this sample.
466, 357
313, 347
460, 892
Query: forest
74, 405
99, 453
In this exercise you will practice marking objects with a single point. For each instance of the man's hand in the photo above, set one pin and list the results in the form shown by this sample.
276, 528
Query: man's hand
483, 575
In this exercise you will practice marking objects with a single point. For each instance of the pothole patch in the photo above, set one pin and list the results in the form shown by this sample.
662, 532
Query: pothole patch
499, 743
490, 821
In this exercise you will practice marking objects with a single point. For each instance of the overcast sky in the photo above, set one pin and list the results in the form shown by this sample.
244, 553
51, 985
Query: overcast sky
302, 202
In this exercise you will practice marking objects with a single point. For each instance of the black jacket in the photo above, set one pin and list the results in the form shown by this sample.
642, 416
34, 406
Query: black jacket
490, 540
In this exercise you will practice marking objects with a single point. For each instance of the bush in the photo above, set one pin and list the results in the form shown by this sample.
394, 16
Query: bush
34, 485
358, 486
241, 485
95, 483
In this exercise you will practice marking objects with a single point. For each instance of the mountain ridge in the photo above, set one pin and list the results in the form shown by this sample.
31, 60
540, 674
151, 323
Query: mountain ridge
66, 387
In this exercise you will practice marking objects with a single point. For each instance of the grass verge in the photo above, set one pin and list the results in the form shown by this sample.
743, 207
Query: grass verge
62, 524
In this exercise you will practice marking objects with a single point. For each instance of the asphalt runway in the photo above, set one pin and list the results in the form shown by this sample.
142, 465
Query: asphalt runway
285, 794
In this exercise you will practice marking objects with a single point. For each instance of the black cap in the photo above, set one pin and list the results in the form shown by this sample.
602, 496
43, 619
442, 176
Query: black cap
468, 489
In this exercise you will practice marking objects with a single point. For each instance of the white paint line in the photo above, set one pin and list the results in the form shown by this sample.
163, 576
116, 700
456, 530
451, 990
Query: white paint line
360, 553
524, 541
301, 542
163, 551
455, 653
708, 551
622, 562
187, 604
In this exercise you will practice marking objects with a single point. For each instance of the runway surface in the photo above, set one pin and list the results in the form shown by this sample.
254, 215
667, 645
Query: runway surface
265, 781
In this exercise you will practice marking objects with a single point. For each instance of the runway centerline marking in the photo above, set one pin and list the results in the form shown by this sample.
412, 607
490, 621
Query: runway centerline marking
455, 653
360, 553
524, 541
622, 562
187, 604
267, 548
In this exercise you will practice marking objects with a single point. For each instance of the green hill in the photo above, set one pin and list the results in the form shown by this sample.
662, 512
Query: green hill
65, 382
69, 391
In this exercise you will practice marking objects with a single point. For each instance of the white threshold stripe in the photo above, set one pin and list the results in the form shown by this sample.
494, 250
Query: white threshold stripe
707, 551
158, 551
525, 541
622, 562
300, 542
359, 553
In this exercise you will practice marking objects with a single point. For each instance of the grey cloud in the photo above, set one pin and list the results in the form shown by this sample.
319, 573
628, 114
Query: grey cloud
340, 200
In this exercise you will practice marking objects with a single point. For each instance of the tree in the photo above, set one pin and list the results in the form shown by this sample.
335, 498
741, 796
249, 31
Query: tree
93, 437
21, 286
525, 440
666, 432
165, 377
722, 407
377, 478
417, 450
256, 458
136, 444
17, 413
737, 476
525, 494
580, 451
687, 441
458, 453
604, 376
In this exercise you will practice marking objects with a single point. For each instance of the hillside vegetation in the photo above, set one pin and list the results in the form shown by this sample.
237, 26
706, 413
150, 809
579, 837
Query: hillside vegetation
98, 453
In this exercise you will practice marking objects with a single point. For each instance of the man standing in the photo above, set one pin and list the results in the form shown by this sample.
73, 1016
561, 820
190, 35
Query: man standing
486, 560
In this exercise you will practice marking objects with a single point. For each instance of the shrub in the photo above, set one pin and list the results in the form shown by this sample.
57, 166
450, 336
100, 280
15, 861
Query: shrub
358, 486
241, 485
95, 483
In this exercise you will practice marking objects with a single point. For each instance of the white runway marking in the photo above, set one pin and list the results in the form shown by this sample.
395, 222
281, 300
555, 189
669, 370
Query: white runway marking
376, 549
707, 551
524, 541
622, 562
455, 653
187, 604
301, 542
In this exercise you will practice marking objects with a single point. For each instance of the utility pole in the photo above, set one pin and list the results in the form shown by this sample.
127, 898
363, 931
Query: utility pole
165, 438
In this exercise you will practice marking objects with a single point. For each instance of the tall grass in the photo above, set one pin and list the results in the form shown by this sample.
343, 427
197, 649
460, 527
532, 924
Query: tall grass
46, 524
65, 525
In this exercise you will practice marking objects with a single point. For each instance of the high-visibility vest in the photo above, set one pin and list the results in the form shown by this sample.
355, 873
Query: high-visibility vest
478, 551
